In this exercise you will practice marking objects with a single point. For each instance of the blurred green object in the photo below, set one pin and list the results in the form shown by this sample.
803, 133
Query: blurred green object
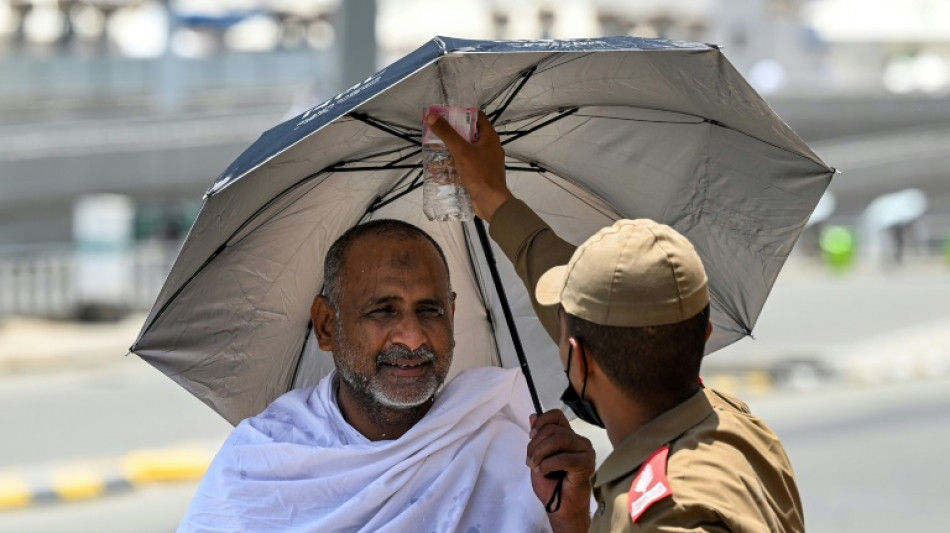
838, 245
946, 248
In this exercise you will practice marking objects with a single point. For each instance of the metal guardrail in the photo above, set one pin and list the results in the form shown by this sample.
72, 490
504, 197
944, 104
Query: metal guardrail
44, 283
35, 79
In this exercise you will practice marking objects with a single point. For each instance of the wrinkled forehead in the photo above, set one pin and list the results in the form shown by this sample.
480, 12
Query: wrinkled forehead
371, 256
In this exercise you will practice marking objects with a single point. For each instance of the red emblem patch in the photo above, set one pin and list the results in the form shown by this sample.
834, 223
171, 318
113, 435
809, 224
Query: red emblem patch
650, 485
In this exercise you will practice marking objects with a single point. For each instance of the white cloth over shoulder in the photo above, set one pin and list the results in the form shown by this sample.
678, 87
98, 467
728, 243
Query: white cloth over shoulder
299, 466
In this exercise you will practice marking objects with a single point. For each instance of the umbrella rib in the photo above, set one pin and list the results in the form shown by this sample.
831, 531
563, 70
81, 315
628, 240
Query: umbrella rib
521, 133
760, 139
415, 152
390, 151
553, 182
382, 126
370, 167
394, 164
416, 182
527, 122
517, 134
534, 168
558, 65
700, 119
526, 74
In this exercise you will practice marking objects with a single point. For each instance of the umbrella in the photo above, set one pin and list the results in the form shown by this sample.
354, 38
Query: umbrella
594, 130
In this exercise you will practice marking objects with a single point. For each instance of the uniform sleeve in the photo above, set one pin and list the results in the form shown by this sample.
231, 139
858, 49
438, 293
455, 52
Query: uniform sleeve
668, 515
679, 518
533, 248
719, 493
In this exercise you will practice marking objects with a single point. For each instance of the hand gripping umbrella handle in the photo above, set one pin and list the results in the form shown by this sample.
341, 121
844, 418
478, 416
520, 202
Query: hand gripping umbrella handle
555, 502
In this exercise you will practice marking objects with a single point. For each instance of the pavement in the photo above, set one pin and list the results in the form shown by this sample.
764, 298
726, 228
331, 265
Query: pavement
792, 354
85, 480
32, 345
42, 345
869, 326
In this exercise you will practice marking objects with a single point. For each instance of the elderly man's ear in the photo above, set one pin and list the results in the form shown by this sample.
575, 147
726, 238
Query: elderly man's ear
324, 322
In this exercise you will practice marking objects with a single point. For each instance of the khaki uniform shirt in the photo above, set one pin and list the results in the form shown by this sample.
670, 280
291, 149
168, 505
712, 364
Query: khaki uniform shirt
727, 470
532, 247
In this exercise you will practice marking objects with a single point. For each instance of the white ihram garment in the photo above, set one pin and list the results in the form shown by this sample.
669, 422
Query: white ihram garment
299, 466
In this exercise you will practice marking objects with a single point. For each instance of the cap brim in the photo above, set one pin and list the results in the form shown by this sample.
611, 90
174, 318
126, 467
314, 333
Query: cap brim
550, 285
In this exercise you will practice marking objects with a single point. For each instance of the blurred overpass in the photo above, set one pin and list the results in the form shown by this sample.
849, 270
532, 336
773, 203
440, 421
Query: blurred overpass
876, 164
152, 158
879, 144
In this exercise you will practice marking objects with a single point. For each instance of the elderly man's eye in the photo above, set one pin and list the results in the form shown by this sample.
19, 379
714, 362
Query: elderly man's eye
380, 312
431, 311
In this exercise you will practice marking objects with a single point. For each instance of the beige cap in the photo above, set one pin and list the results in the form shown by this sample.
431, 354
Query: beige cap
634, 273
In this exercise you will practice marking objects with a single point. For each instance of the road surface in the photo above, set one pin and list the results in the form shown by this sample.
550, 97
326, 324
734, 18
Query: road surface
868, 459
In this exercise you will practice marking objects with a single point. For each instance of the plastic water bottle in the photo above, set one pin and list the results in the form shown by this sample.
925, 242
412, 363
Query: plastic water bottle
443, 196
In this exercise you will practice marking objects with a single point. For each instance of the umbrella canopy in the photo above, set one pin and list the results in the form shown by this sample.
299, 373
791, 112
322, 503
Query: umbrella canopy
594, 130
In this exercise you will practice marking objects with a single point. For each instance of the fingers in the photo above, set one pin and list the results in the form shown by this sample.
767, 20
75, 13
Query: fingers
486, 131
481, 165
555, 446
549, 452
554, 416
453, 141
441, 127
576, 464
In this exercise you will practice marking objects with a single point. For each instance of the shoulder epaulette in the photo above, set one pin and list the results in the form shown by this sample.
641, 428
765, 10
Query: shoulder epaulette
650, 485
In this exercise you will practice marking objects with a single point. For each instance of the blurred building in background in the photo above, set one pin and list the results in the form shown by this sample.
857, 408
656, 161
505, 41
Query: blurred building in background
149, 100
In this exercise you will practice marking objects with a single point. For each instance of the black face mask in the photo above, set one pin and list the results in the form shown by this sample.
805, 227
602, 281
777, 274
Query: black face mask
581, 407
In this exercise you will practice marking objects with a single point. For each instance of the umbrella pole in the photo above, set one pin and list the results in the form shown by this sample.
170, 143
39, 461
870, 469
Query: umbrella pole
506, 310
554, 503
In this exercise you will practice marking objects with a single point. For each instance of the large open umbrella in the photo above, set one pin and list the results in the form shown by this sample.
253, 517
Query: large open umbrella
594, 130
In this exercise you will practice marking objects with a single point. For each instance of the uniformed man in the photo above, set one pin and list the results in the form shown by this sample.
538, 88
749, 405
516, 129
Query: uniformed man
629, 309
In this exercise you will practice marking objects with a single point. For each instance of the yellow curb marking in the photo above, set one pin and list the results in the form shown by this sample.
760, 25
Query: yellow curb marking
14, 492
78, 484
166, 465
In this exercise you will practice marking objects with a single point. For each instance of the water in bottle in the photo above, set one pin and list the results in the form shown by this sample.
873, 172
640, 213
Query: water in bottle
443, 196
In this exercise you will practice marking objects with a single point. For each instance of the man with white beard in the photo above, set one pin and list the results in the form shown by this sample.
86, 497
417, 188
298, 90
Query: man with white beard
375, 446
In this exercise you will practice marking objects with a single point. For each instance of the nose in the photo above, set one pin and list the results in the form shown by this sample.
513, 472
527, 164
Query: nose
408, 332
